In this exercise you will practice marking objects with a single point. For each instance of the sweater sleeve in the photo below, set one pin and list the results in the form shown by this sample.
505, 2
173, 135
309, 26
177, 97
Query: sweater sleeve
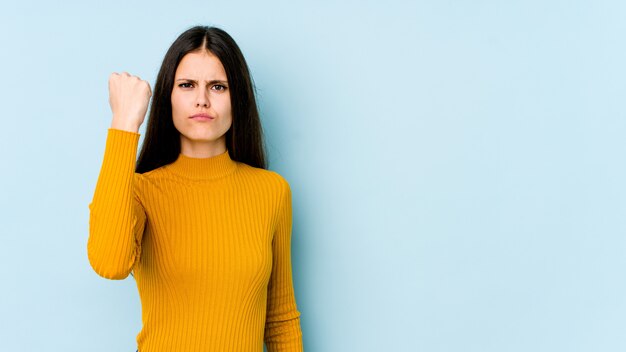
116, 216
282, 325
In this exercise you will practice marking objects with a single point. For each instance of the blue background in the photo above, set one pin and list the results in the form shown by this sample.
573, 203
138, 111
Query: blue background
457, 167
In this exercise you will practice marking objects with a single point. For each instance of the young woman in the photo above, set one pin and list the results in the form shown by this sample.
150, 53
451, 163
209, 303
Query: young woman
200, 222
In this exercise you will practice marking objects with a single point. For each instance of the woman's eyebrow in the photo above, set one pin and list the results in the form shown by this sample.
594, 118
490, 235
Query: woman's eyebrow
210, 82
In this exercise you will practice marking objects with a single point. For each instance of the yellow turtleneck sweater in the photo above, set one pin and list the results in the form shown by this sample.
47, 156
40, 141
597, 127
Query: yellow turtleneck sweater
208, 241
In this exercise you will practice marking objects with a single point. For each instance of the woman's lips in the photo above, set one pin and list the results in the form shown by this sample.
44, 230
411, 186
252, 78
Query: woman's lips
202, 117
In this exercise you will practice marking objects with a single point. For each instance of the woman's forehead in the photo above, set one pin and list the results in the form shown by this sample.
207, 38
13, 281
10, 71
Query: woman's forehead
200, 66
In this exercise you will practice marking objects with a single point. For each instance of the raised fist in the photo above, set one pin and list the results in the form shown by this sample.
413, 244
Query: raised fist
128, 97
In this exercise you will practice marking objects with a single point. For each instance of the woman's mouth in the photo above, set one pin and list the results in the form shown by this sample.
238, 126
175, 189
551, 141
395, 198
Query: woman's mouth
202, 117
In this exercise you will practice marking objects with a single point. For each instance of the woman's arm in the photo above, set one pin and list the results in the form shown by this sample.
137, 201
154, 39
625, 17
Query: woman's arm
282, 325
116, 217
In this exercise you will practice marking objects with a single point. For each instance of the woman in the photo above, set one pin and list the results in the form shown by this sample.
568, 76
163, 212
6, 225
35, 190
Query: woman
204, 228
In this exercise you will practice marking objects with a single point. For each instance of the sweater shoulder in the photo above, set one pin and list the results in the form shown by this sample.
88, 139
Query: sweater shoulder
146, 180
269, 177
152, 176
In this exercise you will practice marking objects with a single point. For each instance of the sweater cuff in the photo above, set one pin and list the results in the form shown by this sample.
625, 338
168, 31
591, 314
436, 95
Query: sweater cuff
121, 142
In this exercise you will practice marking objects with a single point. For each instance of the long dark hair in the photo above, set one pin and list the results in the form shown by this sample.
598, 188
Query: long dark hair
244, 139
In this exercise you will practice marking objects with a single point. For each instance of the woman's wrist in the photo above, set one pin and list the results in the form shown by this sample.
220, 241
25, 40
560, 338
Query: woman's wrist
124, 125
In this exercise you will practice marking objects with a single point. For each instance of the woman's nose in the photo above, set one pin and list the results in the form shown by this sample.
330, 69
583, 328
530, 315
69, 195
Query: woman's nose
203, 99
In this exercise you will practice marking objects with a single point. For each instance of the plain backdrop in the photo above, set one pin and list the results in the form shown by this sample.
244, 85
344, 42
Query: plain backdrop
457, 167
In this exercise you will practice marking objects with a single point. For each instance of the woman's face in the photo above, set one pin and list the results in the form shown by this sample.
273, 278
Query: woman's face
200, 87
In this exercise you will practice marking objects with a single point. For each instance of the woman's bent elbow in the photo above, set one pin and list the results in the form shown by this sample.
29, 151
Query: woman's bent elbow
107, 265
108, 270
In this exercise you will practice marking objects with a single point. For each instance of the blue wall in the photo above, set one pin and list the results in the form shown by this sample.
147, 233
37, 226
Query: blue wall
457, 167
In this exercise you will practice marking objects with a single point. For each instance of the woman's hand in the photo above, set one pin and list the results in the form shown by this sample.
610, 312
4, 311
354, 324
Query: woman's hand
129, 97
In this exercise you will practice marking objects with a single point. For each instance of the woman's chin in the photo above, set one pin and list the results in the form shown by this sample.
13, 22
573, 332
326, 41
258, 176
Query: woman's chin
201, 138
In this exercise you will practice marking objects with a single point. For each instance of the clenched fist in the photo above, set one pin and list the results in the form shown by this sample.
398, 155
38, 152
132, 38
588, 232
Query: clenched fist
129, 97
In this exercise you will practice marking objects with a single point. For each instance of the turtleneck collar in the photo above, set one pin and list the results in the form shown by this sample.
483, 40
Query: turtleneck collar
203, 168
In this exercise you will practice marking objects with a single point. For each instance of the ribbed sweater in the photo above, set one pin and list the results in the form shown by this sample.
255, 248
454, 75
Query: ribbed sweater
208, 242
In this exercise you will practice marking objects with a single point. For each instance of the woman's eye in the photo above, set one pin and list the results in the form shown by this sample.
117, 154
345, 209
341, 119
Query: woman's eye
183, 84
219, 87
